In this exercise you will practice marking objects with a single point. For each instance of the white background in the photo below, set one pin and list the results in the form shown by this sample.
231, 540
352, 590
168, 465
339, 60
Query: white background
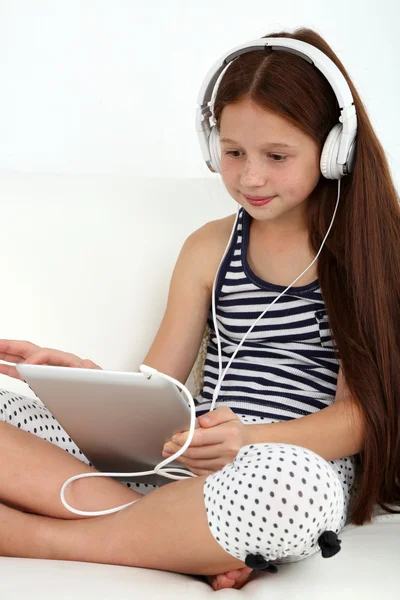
101, 176
110, 86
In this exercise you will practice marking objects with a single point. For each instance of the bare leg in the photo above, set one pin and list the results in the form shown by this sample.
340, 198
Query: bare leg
166, 530
32, 472
31, 464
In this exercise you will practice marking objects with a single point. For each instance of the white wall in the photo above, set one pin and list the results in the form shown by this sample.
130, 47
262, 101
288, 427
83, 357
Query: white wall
101, 177
86, 260
110, 86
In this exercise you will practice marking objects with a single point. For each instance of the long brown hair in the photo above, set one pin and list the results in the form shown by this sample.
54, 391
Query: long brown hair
359, 266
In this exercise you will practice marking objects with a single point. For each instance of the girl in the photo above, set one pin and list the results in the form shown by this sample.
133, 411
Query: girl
312, 396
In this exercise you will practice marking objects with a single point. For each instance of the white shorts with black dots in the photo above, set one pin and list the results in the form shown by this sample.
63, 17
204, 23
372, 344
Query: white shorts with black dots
273, 502
276, 500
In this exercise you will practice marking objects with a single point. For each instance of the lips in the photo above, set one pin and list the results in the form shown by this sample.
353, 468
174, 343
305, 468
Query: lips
259, 197
258, 200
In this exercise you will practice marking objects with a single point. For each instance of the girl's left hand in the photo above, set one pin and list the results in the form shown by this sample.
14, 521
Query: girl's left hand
214, 445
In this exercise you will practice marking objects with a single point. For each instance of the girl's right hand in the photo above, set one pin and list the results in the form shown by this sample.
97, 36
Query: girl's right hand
15, 351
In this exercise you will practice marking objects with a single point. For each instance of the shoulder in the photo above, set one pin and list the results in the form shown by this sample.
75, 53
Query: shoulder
214, 233
207, 245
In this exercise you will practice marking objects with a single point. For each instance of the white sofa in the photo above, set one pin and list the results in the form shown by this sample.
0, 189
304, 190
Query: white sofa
85, 267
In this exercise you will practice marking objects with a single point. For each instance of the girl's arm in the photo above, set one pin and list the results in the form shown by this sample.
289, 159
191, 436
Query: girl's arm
333, 432
177, 342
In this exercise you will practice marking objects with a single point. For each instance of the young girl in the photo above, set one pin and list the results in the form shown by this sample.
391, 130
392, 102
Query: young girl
312, 394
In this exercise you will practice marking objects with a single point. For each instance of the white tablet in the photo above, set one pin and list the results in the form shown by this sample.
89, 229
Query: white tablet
119, 420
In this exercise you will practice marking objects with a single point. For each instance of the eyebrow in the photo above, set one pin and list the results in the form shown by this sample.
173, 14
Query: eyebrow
271, 144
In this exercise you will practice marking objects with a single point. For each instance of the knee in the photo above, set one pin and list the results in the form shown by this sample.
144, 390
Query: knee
292, 477
273, 499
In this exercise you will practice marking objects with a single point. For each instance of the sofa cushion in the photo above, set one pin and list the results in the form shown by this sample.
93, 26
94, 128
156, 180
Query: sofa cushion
366, 566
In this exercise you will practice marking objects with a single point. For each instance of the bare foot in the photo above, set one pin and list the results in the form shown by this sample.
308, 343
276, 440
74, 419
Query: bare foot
230, 579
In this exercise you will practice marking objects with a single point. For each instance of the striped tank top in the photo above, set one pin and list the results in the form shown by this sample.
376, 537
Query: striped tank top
287, 367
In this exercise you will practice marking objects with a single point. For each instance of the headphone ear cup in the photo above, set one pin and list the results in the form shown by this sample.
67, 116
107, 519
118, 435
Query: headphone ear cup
330, 169
215, 149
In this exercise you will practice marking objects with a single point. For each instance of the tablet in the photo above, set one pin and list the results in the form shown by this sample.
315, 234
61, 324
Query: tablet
119, 420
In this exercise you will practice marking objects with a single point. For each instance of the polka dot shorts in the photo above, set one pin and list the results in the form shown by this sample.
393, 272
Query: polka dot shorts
273, 500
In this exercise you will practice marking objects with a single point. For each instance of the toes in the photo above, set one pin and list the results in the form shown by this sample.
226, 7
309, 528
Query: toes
242, 580
223, 581
236, 573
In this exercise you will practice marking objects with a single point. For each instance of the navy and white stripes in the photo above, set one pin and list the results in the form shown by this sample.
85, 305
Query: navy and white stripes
287, 367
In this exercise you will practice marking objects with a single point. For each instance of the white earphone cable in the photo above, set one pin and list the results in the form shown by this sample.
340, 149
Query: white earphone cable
150, 372
221, 376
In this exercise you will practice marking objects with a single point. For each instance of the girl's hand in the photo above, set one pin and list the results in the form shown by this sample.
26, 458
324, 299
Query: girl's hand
15, 351
214, 445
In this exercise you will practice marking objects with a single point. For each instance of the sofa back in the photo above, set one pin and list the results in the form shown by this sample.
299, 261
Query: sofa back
87, 260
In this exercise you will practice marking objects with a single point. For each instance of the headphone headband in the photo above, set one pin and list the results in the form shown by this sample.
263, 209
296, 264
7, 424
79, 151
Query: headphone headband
309, 53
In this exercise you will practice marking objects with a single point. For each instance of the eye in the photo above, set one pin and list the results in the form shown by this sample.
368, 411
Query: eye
232, 153
279, 157
238, 154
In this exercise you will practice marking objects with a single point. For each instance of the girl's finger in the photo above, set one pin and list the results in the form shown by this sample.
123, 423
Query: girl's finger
57, 358
200, 453
10, 372
208, 466
89, 364
16, 351
202, 437
11, 358
201, 472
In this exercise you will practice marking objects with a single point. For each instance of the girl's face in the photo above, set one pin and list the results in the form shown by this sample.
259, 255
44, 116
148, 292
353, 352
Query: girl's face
263, 155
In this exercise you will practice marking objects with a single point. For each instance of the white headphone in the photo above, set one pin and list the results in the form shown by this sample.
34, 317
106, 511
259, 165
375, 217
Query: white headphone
338, 154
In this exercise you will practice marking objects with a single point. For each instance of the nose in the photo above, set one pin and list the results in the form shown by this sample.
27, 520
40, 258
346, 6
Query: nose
253, 174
